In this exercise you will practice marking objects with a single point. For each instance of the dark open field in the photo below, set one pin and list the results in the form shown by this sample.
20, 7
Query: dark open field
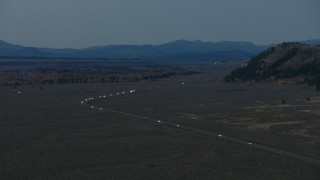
48, 134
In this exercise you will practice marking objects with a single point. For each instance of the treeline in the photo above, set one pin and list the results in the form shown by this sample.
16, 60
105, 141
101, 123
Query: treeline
66, 76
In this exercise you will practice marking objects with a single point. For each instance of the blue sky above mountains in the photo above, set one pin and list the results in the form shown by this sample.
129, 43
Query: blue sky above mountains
84, 23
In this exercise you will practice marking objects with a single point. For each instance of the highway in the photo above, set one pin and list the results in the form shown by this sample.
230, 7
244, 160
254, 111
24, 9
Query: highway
238, 140
255, 145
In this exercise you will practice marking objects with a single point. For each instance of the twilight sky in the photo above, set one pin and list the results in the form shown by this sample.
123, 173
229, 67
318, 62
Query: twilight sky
84, 23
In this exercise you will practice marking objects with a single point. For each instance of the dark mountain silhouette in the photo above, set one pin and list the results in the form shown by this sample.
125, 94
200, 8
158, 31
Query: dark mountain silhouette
180, 49
191, 50
291, 61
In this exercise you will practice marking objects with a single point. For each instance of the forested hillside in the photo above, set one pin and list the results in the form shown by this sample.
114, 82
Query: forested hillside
286, 61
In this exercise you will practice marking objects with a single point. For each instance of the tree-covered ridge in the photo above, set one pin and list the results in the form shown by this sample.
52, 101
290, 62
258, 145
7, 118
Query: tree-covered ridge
285, 61
249, 72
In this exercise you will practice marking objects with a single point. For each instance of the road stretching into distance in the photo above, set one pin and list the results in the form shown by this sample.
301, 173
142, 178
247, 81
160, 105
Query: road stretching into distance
256, 145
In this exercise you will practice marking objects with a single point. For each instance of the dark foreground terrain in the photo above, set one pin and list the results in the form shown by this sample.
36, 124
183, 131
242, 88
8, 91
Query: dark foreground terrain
46, 133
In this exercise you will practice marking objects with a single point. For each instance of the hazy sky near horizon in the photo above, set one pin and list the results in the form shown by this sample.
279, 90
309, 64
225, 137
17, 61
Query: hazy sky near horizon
84, 23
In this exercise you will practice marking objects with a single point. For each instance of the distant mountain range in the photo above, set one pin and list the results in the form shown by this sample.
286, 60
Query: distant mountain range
176, 50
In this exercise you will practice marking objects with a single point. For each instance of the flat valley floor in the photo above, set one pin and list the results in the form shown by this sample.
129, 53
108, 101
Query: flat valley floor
54, 133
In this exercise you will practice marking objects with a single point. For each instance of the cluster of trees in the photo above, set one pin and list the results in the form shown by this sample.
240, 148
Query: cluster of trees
63, 76
314, 81
312, 71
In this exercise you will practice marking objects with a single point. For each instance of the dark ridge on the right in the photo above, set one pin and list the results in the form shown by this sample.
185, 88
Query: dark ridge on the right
285, 63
